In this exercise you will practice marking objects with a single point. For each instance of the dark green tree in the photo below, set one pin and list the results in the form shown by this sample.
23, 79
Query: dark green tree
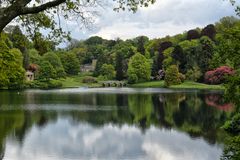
180, 58
141, 42
20, 41
119, 66
70, 63
206, 54
42, 44
55, 61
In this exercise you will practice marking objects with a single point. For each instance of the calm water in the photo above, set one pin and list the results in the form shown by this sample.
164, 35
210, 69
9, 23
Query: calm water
112, 124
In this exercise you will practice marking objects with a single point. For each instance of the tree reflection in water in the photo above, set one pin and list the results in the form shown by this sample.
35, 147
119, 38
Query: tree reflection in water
188, 112
216, 100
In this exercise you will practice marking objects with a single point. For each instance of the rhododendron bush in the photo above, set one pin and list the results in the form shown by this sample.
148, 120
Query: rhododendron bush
218, 75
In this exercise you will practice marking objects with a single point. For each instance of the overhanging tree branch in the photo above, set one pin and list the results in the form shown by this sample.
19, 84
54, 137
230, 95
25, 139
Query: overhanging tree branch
32, 10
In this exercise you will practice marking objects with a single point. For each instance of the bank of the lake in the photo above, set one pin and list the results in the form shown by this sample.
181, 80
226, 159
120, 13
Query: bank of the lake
78, 81
184, 85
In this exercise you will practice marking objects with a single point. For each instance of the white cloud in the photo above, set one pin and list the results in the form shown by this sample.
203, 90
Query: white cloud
165, 17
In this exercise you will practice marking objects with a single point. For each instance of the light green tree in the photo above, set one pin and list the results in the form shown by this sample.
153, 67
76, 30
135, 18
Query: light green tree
139, 69
172, 76
46, 71
12, 73
108, 71
70, 63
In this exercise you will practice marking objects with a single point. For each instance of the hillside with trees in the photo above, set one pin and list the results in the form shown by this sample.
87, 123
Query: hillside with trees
205, 55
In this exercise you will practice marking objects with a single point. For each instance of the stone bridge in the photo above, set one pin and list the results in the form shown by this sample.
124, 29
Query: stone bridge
114, 84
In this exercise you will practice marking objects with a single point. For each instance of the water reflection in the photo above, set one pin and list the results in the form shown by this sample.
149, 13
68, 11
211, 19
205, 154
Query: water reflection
133, 124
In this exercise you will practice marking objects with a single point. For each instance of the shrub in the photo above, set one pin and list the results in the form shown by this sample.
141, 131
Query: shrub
193, 74
89, 79
182, 77
50, 84
132, 78
233, 126
36, 84
218, 75
172, 76
54, 84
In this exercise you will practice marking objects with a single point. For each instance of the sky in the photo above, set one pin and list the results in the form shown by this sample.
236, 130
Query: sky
165, 17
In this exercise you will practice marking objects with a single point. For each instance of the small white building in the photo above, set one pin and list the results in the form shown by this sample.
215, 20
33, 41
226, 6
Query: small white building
29, 76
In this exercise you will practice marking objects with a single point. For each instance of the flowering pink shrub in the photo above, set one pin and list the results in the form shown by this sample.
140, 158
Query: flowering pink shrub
218, 75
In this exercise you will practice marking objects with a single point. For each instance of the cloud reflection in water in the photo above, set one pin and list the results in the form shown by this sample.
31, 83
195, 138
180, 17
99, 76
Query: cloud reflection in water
63, 140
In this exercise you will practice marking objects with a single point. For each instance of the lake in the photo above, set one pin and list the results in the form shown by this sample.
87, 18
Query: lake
112, 124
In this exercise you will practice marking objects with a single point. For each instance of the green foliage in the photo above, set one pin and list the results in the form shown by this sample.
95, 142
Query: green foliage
82, 54
182, 77
139, 69
55, 61
172, 76
206, 53
89, 79
46, 71
179, 58
70, 63
46, 84
233, 90
141, 106
20, 41
34, 57
233, 126
141, 42
119, 66
11, 72
232, 149
191, 50
54, 84
42, 44
228, 47
168, 61
194, 74
226, 23
108, 71
104, 58
132, 78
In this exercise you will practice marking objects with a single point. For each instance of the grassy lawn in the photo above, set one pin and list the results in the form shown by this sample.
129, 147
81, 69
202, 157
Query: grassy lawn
195, 85
76, 81
151, 84
185, 85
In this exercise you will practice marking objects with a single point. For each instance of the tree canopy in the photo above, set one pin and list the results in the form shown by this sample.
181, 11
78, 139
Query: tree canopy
36, 14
